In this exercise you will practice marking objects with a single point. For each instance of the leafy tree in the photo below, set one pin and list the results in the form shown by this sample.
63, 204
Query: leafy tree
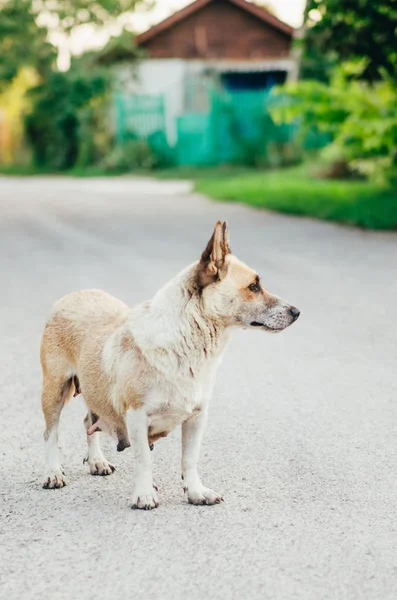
22, 42
348, 30
359, 117
118, 50
68, 123
67, 115
61, 124
25, 25
69, 14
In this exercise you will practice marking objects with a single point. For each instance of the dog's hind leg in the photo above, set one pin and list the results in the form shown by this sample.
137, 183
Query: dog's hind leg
97, 463
56, 391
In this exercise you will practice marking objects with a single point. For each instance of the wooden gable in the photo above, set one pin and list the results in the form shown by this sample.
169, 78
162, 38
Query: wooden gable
219, 29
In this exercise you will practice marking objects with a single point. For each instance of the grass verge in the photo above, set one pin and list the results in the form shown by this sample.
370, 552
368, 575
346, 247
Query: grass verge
294, 191
30, 171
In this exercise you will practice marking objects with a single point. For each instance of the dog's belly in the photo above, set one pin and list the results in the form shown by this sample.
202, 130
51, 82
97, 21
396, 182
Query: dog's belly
167, 408
165, 421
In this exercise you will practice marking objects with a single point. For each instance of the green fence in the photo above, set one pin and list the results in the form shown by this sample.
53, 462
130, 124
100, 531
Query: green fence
142, 117
138, 116
236, 128
194, 144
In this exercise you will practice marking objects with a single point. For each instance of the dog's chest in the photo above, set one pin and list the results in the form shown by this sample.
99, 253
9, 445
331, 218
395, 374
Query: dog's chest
181, 388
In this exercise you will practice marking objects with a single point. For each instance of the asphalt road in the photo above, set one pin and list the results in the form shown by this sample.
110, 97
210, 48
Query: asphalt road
302, 435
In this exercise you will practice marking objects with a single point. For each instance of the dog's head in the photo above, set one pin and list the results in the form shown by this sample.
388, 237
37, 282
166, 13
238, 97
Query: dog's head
233, 292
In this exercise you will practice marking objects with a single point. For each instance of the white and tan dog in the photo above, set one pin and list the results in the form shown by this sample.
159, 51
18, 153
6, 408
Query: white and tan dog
158, 359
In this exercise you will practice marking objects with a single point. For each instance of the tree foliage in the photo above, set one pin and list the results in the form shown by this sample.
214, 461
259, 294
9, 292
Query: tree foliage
348, 30
67, 116
22, 42
69, 14
361, 118
25, 26
120, 49
64, 125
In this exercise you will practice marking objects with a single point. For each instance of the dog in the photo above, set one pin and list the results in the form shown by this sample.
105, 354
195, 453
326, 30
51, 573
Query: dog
157, 359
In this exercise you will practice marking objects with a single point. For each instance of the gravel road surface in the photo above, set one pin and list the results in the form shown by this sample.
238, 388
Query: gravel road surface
302, 435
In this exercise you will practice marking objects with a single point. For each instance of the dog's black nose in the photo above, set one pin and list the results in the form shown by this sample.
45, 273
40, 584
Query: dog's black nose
295, 312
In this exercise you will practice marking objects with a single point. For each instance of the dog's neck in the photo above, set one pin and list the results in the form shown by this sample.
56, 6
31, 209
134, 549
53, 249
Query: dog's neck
175, 320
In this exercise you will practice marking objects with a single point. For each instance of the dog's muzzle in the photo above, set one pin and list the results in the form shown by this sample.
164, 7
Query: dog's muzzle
292, 312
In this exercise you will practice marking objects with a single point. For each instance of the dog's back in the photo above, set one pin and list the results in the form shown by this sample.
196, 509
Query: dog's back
73, 318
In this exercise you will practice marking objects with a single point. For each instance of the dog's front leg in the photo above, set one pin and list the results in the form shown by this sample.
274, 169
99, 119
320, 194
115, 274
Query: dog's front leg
144, 496
192, 435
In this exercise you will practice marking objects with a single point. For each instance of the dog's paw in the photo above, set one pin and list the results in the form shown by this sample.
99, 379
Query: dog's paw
145, 499
100, 466
203, 495
55, 478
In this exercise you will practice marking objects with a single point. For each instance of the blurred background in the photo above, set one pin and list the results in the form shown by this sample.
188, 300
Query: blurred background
285, 104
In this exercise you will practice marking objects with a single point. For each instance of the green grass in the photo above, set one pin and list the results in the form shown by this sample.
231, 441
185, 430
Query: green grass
23, 170
294, 191
29, 171
202, 173
93, 171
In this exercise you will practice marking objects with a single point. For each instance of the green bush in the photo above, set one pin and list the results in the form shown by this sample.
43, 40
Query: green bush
63, 126
359, 117
132, 155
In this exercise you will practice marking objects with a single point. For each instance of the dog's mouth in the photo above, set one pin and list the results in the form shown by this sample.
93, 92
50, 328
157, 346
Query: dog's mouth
257, 324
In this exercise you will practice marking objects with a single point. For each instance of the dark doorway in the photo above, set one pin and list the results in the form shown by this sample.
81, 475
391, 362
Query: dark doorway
254, 80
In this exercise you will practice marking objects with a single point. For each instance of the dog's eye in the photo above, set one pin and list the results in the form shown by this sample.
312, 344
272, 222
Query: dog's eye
254, 287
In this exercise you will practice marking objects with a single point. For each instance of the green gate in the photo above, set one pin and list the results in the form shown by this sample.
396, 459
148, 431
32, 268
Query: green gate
237, 128
141, 117
194, 140
233, 127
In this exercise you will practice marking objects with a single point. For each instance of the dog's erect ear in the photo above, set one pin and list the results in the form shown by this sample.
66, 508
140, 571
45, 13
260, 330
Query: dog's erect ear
212, 265
217, 247
225, 238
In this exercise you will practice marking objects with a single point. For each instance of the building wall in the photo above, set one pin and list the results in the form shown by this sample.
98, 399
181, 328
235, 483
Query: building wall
220, 30
172, 77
